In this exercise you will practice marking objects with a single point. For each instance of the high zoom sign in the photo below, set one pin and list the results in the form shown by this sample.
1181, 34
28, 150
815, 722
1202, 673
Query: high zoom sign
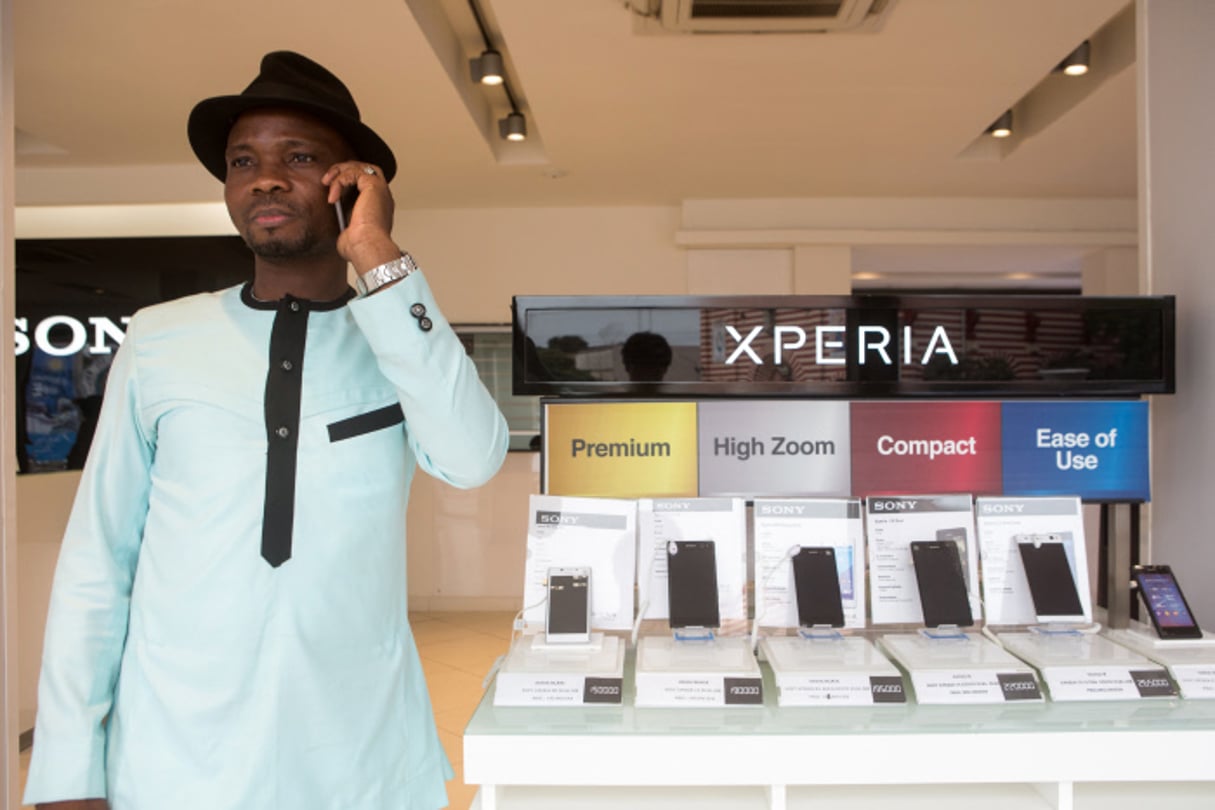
858, 347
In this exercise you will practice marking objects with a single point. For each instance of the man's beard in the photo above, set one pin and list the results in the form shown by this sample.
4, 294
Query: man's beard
278, 248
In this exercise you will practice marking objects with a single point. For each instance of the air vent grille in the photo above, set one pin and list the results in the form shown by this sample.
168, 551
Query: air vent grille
768, 16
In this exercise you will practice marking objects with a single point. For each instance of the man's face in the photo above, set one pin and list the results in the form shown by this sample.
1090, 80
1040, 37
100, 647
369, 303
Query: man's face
273, 189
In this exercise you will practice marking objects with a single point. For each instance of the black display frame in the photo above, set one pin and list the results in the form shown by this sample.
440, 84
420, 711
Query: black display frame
530, 378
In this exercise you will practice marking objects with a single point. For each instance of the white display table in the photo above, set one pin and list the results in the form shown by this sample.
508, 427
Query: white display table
1014, 755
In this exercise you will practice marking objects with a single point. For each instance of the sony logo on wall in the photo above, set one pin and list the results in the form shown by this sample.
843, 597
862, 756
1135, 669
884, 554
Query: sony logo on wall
872, 342
94, 337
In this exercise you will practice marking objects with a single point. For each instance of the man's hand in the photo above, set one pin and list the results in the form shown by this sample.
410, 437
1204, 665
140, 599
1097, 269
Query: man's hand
76, 804
367, 240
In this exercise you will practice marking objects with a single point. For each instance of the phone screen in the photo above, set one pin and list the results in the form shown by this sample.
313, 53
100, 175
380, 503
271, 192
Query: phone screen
816, 580
957, 534
1166, 604
692, 584
1052, 585
938, 574
568, 604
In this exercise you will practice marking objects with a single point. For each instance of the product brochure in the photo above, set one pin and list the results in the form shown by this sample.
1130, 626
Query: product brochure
662, 521
785, 525
1003, 525
595, 533
893, 523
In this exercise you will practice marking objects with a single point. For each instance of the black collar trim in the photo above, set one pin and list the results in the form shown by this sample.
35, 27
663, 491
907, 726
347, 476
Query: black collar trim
246, 297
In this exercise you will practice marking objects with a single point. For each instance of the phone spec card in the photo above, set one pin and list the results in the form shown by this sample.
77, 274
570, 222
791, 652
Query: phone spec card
1035, 565
783, 529
596, 534
893, 523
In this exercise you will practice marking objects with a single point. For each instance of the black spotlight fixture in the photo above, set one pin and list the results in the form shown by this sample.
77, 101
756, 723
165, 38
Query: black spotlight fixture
513, 127
487, 68
1077, 62
1002, 127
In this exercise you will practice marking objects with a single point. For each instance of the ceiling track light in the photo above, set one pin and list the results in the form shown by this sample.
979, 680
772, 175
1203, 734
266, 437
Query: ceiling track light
490, 69
487, 68
1077, 62
513, 127
1002, 127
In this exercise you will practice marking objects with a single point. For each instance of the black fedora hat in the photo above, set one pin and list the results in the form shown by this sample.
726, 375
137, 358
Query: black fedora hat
286, 79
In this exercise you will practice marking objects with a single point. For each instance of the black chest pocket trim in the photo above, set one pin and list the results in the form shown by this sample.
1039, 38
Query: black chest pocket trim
378, 419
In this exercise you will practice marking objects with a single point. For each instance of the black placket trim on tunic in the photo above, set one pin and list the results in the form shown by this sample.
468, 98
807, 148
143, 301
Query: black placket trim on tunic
284, 387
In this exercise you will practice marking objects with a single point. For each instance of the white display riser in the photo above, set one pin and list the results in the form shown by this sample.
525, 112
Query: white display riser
1009, 796
1052, 755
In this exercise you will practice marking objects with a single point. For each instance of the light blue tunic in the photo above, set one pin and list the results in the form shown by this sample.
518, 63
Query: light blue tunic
180, 670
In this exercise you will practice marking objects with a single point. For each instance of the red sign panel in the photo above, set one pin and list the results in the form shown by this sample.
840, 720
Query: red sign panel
925, 447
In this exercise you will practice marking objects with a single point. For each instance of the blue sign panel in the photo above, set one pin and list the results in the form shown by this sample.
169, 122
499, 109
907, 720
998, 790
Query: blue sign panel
1097, 450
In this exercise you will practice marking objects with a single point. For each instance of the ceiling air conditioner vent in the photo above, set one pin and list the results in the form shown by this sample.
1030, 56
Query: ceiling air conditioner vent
767, 16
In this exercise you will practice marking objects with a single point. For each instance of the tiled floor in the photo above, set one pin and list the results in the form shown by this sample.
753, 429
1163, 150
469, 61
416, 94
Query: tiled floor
457, 651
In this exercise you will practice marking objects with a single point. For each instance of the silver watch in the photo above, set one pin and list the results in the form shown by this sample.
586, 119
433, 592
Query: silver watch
387, 272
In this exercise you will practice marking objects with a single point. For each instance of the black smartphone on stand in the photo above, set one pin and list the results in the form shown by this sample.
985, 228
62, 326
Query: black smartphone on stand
568, 619
692, 584
1052, 582
938, 575
816, 581
1170, 613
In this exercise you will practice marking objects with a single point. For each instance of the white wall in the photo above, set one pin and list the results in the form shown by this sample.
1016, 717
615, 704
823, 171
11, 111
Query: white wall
1177, 207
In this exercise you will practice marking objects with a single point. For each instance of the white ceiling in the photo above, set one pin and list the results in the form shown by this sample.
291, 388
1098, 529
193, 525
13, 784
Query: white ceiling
617, 117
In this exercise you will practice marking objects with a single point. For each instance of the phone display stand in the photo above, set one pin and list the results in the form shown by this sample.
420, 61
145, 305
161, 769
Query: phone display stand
539, 673
705, 673
1087, 666
1190, 661
960, 668
694, 634
540, 642
944, 633
1055, 629
819, 634
822, 667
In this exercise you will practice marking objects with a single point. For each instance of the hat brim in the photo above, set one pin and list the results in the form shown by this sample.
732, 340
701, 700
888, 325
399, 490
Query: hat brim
211, 120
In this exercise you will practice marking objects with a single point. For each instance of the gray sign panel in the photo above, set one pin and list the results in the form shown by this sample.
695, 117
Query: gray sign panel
775, 448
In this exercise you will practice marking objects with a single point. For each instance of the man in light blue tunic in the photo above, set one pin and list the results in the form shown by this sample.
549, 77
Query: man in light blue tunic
228, 623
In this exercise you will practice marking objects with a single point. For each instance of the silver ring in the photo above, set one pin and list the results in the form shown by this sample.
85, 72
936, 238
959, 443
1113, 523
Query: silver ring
368, 170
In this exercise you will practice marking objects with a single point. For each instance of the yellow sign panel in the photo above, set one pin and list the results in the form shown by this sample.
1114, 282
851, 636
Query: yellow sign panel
620, 449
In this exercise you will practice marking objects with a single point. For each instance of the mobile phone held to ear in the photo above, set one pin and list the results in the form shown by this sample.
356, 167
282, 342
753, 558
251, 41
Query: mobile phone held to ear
938, 575
568, 619
816, 580
1052, 583
345, 206
692, 584
1170, 613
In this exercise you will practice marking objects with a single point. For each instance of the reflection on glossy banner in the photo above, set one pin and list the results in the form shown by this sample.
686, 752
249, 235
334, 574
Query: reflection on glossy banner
854, 346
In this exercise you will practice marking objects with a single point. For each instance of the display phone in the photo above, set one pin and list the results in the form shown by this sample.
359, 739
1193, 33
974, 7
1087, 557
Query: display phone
816, 581
938, 575
1171, 615
692, 584
957, 534
568, 619
345, 206
1052, 582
